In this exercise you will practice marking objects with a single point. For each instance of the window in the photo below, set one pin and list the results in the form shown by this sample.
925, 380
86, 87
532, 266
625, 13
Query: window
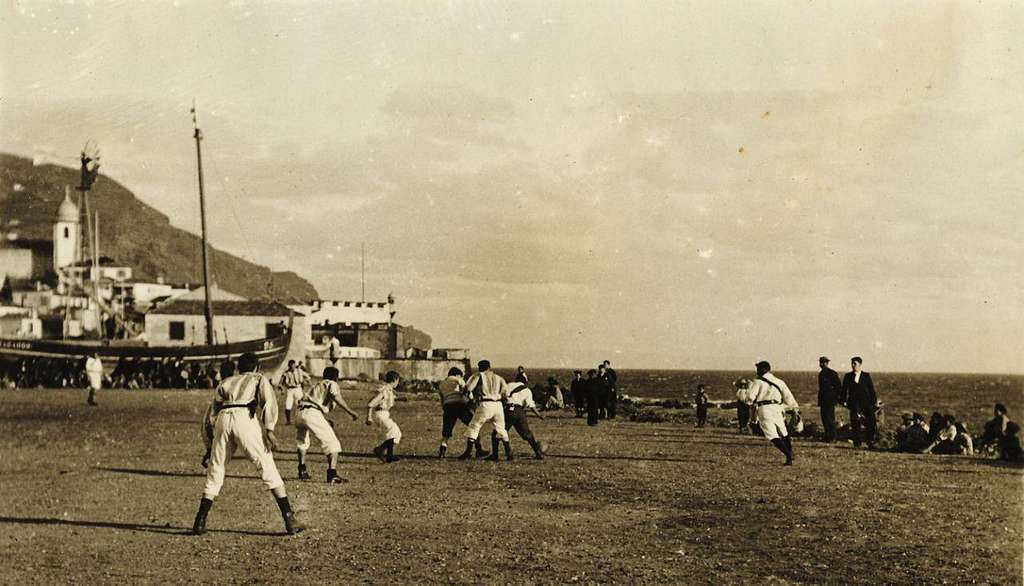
67, 232
177, 330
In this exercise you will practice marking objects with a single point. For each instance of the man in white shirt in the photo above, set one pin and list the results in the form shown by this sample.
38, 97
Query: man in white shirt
520, 398
772, 398
94, 372
243, 415
314, 406
489, 390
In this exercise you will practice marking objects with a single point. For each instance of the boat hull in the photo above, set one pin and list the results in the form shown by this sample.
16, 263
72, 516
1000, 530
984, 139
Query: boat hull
270, 351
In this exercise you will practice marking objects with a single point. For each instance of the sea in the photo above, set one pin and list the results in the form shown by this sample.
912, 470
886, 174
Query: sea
969, 397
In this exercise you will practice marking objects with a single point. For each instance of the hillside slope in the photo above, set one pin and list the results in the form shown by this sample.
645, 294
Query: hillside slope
132, 232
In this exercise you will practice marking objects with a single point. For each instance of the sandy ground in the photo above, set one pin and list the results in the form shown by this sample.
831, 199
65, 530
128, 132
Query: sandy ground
107, 495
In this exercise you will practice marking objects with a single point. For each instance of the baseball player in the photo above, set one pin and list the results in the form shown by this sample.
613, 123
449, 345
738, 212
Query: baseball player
379, 411
243, 415
772, 398
293, 380
314, 406
94, 372
455, 406
520, 398
490, 390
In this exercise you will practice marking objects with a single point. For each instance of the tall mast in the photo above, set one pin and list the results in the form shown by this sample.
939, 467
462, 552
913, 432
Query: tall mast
208, 310
363, 265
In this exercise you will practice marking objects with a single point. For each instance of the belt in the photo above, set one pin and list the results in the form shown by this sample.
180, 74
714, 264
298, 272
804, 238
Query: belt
763, 403
251, 406
311, 406
490, 400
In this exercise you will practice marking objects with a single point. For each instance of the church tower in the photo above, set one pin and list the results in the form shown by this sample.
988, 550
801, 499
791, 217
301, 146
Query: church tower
65, 234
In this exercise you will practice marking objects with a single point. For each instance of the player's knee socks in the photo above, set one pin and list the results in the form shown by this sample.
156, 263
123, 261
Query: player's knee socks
199, 526
781, 445
389, 446
508, 449
288, 416
534, 444
469, 449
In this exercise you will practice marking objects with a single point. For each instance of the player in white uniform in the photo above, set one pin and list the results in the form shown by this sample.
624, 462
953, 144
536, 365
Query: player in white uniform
490, 390
243, 415
520, 398
94, 372
293, 380
772, 398
379, 411
314, 406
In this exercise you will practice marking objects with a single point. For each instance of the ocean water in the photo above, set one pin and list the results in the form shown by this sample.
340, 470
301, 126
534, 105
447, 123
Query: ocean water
970, 397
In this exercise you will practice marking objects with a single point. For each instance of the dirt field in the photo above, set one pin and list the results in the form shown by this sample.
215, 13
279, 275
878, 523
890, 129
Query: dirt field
107, 494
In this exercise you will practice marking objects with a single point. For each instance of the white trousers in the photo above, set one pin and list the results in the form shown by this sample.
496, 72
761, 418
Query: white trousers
488, 411
772, 420
291, 397
235, 429
312, 420
388, 429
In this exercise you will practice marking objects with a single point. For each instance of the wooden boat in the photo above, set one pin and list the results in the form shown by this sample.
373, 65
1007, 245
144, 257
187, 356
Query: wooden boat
269, 351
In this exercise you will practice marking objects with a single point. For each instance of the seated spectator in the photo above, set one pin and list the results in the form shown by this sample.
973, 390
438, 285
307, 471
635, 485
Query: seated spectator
906, 422
920, 422
1009, 444
555, 399
945, 438
963, 439
935, 424
994, 428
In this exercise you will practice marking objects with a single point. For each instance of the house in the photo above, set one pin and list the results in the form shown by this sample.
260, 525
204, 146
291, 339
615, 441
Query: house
182, 321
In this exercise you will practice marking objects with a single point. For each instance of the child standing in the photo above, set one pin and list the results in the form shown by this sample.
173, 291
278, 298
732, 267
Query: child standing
702, 405
379, 411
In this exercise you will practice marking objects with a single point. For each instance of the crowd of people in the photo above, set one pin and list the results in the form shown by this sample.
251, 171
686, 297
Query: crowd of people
128, 373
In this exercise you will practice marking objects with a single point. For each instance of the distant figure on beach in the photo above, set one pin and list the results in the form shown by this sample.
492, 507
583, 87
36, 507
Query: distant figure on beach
611, 380
521, 375
701, 402
772, 398
594, 390
829, 391
742, 403
334, 350
603, 391
950, 440
860, 398
1002, 432
94, 372
555, 401
911, 435
578, 390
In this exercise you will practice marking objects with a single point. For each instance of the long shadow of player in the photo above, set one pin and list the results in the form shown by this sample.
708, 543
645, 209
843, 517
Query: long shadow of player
627, 458
142, 527
141, 472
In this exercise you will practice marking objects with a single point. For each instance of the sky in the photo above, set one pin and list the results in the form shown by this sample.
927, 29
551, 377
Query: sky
660, 184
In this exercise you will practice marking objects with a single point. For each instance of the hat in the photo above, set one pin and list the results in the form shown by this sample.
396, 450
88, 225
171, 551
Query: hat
741, 383
907, 415
824, 359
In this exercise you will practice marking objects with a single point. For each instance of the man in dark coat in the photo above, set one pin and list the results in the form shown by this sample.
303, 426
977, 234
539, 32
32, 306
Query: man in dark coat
594, 390
578, 390
859, 394
611, 380
829, 390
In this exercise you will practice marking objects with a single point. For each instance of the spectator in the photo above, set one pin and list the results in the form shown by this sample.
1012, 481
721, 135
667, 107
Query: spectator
945, 442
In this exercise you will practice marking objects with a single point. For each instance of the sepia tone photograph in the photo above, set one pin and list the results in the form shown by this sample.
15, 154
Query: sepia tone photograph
525, 292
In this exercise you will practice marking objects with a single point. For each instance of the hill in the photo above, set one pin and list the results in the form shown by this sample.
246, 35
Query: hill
133, 233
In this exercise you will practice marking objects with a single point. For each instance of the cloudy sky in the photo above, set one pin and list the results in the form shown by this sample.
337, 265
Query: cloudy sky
663, 184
